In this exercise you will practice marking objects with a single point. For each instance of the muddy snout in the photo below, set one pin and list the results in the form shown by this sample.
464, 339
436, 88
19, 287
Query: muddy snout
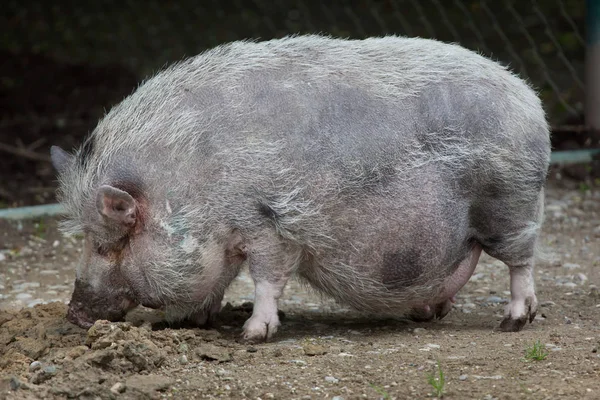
88, 306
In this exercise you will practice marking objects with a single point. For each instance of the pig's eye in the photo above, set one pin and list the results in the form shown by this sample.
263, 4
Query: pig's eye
102, 250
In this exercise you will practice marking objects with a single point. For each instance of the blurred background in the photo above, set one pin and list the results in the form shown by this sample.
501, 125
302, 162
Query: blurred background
63, 63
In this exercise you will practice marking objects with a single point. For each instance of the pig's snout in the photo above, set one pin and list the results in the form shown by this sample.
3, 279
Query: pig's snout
78, 316
87, 307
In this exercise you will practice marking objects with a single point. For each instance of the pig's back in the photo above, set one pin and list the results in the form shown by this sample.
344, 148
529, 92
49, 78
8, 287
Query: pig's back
388, 106
337, 114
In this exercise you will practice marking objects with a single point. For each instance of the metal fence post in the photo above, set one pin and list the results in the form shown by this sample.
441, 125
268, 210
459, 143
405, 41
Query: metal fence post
592, 65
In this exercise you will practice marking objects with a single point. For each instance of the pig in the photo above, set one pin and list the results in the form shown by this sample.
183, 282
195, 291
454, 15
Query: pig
374, 170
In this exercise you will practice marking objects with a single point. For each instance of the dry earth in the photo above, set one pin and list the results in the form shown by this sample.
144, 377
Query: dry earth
323, 351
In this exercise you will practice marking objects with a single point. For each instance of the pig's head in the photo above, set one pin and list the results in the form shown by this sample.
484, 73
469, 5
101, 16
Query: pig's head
143, 244
110, 279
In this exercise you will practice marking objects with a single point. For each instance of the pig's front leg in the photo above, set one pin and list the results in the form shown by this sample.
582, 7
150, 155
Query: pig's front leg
271, 265
264, 321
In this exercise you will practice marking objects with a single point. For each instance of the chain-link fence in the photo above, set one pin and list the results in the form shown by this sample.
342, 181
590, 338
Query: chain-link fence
542, 40
63, 63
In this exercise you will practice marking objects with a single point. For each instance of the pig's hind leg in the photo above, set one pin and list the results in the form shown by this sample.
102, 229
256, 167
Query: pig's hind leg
513, 242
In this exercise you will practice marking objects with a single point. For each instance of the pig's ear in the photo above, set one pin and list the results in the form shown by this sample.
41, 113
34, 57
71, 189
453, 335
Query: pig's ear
60, 159
116, 205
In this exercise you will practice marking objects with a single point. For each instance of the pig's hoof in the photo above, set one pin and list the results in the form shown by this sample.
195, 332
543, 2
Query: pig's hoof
442, 309
513, 325
427, 314
421, 314
258, 329
518, 313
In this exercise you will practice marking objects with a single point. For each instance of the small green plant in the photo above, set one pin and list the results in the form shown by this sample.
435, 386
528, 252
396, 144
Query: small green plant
584, 187
40, 229
384, 395
437, 383
537, 352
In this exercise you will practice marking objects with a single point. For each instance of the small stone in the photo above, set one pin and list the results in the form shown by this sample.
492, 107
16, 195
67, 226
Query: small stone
34, 366
547, 304
337, 398
183, 359
100, 358
571, 266
418, 331
23, 296
211, 352
14, 383
2, 257
76, 352
552, 347
469, 305
32, 348
50, 369
252, 350
496, 300
580, 278
148, 384
493, 377
298, 362
433, 346
56, 243
183, 348
314, 350
478, 276
463, 377
117, 388
277, 353
570, 285
568, 321
331, 379
44, 374
48, 272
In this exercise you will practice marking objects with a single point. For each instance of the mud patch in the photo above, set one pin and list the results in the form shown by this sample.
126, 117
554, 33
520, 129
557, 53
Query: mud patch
47, 355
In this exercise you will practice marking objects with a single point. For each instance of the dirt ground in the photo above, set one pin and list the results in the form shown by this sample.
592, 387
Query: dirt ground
323, 351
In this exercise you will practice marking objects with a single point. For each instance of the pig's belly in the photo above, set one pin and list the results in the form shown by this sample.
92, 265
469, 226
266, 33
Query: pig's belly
371, 294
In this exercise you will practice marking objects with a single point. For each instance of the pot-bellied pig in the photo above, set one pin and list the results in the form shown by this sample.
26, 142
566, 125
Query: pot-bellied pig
376, 170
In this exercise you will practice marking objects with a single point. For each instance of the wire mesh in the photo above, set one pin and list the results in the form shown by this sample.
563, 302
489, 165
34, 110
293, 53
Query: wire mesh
540, 40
